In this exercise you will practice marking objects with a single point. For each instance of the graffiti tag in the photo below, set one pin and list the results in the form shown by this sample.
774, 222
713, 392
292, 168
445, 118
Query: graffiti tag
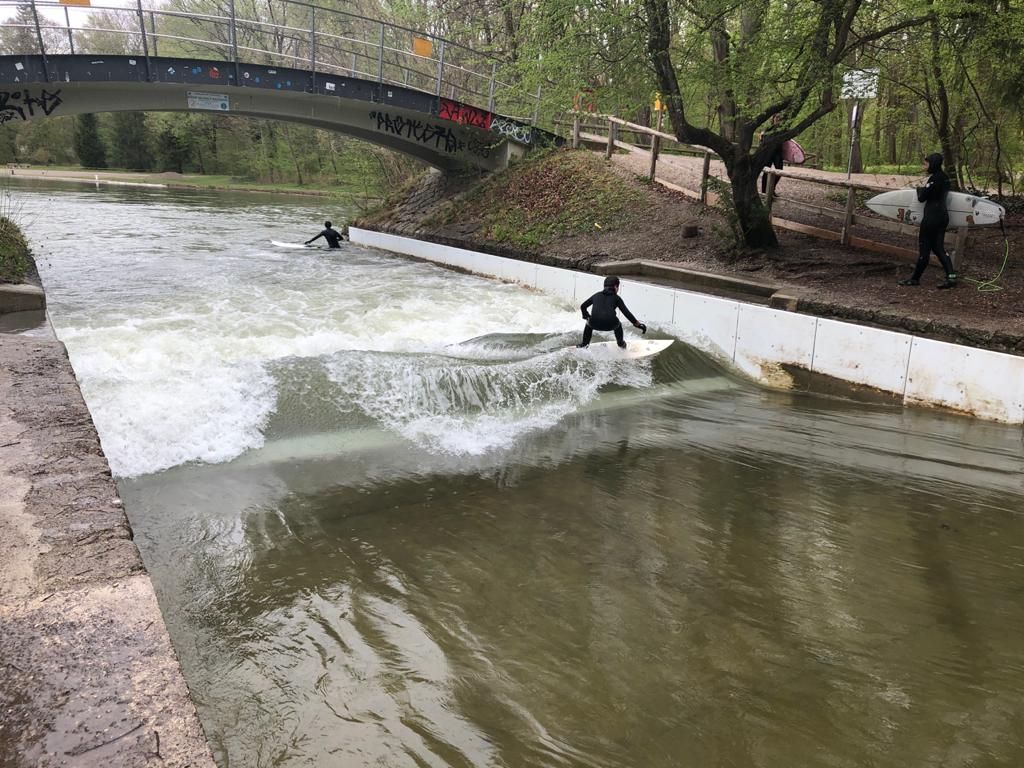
512, 130
15, 104
417, 130
463, 114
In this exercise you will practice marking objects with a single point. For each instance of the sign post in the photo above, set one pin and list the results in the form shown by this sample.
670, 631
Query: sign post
858, 84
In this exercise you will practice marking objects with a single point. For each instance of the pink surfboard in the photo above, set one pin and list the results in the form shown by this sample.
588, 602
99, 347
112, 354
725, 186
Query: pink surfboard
793, 152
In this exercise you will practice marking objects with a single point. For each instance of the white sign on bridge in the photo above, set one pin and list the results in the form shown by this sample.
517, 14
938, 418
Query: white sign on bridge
860, 84
216, 101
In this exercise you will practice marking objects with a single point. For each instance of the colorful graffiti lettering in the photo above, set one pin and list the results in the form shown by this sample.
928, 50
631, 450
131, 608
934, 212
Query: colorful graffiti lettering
463, 114
424, 133
15, 104
512, 130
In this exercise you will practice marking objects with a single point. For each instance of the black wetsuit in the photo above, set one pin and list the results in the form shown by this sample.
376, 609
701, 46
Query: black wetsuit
602, 317
936, 219
332, 236
776, 162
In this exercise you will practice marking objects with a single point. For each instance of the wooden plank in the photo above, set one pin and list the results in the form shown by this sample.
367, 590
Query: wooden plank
677, 188
806, 229
892, 250
828, 182
885, 225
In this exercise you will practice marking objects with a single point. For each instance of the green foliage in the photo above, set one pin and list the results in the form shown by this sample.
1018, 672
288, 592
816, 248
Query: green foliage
129, 142
88, 144
728, 229
550, 195
13, 252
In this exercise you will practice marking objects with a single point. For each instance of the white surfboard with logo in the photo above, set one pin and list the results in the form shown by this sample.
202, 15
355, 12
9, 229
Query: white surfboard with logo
964, 210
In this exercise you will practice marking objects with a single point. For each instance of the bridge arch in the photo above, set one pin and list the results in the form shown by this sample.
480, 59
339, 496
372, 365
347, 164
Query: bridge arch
445, 133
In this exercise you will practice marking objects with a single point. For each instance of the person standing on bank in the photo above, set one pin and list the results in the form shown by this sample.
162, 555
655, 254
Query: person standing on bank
602, 316
332, 236
933, 224
776, 159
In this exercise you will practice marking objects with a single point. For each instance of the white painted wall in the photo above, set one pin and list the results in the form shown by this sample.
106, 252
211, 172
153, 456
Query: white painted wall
758, 340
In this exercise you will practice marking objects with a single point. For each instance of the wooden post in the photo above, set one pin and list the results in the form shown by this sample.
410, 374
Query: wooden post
960, 247
575, 131
655, 146
770, 197
611, 141
851, 202
704, 173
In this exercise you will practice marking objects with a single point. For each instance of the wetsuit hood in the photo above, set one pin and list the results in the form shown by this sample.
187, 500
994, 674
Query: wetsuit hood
934, 161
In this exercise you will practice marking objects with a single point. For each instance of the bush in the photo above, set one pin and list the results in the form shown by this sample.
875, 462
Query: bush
13, 252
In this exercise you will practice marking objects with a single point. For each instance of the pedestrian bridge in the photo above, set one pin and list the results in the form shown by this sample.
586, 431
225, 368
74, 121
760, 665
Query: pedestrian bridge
379, 82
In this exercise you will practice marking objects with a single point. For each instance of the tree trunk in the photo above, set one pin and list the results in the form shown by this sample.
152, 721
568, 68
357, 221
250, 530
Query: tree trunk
754, 219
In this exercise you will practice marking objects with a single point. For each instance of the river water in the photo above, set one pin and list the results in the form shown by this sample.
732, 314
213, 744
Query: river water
393, 522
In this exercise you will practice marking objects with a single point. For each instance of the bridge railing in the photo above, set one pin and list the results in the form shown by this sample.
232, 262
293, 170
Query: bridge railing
294, 34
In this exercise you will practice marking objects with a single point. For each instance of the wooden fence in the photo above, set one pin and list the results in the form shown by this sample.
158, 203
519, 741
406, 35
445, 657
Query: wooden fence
653, 140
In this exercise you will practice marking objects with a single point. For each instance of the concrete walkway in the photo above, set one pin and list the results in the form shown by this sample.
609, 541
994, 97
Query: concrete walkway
87, 673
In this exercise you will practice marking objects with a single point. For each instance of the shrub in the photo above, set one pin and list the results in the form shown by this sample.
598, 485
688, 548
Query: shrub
13, 252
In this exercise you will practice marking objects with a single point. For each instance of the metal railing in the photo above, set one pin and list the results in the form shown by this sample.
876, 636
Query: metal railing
303, 36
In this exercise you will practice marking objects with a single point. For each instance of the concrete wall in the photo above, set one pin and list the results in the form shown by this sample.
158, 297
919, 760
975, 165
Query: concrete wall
768, 344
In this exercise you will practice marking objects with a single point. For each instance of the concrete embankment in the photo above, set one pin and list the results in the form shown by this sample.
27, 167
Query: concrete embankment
774, 345
88, 676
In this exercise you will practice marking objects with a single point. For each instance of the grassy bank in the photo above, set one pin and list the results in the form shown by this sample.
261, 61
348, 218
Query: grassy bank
13, 252
548, 196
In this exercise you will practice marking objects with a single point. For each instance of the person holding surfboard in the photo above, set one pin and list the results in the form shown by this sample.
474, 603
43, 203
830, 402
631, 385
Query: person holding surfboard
930, 238
602, 317
332, 236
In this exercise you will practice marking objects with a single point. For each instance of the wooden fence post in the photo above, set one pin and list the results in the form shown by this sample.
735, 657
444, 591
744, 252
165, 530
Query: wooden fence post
704, 173
851, 202
611, 141
960, 247
770, 197
655, 146
575, 131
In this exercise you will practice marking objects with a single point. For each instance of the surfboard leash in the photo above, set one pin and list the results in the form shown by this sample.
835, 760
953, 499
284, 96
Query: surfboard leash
991, 285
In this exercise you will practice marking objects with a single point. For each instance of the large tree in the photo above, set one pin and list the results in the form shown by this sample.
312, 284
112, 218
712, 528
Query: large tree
88, 143
765, 58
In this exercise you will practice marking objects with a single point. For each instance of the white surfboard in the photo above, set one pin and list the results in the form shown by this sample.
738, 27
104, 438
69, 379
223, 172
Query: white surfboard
964, 210
279, 244
609, 350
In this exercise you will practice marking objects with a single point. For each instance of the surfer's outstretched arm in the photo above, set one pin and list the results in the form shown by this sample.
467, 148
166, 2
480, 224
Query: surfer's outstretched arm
313, 238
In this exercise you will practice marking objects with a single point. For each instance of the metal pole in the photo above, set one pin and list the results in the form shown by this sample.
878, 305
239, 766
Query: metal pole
71, 37
380, 57
853, 138
145, 41
536, 108
233, 32
490, 94
39, 37
312, 47
440, 70
152, 31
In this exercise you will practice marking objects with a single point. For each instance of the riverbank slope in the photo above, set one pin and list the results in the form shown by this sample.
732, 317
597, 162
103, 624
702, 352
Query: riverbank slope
576, 210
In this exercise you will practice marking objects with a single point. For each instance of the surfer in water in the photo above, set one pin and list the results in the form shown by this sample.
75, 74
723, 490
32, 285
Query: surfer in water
602, 317
332, 236
933, 224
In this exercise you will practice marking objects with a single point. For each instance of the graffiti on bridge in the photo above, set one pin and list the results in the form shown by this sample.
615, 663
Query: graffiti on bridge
15, 104
441, 137
511, 129
463, 114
